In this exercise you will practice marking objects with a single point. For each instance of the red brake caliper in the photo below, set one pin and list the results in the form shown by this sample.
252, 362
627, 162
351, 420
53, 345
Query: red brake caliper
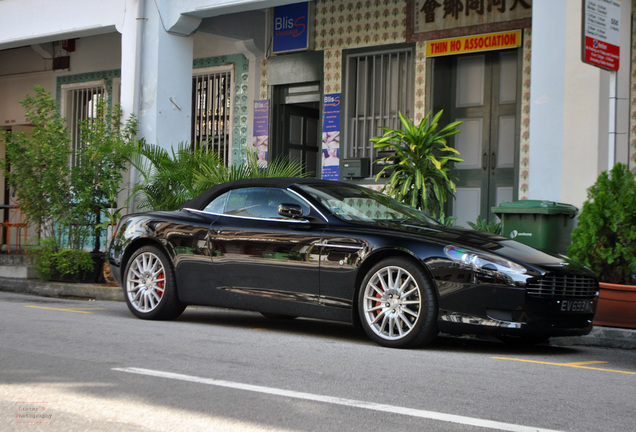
161, 284
378, 303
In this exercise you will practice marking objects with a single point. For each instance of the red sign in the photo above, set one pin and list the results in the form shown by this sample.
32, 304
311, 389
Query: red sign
601, 54
601, 33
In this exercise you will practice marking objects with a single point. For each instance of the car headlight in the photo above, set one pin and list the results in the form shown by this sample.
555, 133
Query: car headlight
483, 261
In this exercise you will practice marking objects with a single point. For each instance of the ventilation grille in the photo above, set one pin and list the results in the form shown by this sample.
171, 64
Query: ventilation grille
563, 286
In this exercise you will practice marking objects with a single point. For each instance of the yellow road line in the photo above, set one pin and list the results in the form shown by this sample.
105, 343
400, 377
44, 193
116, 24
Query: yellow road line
579, 365
76, 310
583, 363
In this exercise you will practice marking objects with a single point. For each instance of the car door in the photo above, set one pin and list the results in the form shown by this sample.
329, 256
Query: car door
264, 261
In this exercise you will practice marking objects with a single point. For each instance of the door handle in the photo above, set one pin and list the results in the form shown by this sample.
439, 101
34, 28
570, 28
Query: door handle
484, 161
493, 160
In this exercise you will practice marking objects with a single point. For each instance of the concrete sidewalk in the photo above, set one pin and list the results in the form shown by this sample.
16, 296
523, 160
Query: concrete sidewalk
607, 337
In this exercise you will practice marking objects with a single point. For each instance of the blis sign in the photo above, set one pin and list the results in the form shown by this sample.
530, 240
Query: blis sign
291, 28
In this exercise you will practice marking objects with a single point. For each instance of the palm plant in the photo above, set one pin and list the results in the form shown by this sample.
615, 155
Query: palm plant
420, 164
489, 227
170, 178
167, 179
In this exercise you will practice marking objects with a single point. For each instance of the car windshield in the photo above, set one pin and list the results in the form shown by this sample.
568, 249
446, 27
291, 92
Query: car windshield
364, 205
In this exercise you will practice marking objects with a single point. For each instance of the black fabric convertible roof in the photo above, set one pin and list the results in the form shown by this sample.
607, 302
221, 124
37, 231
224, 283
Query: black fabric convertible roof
202, 200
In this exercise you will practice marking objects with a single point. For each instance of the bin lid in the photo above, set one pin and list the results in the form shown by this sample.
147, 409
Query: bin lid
535, 207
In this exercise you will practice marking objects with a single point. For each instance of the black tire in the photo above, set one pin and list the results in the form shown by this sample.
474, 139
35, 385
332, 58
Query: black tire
397, 304
149, 285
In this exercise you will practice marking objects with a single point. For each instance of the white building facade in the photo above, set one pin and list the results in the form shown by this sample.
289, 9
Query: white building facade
539, 123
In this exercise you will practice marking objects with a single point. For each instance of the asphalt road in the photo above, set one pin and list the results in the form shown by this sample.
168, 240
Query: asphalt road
71, 365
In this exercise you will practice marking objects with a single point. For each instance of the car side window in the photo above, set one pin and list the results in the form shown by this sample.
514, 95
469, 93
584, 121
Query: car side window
260, 202
217, 205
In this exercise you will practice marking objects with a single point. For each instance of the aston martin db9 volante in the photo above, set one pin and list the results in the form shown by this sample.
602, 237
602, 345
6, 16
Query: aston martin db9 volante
289, 247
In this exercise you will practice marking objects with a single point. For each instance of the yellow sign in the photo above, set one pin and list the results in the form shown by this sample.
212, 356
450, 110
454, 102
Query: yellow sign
474, 43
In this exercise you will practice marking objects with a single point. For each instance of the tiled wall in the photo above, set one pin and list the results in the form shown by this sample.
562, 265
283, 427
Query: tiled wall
346, 24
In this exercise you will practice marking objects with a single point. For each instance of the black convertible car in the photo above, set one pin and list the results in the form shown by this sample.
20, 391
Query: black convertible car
290, 247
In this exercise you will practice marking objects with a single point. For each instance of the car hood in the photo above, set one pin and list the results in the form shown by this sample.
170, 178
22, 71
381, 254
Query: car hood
484, 242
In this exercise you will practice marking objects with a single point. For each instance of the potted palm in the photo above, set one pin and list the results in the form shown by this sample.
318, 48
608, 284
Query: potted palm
419, 164
605, 241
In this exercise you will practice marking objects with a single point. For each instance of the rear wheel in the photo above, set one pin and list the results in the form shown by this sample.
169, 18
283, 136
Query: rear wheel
150, 287
397, 304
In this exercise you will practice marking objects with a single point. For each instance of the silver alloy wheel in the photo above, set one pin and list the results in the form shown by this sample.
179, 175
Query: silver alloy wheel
145, 282
392, 303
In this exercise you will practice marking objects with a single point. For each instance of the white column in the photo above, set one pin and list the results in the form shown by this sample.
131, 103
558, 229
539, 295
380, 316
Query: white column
165, 82
547, 78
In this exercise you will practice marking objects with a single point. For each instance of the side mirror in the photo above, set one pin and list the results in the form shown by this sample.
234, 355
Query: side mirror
290, 210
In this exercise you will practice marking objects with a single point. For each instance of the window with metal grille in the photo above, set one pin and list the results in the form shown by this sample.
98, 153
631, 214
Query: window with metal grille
211, 110
79, 104
379, 85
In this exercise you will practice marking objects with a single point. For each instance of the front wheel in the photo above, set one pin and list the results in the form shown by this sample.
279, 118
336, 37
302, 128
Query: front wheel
397, 304
150, 287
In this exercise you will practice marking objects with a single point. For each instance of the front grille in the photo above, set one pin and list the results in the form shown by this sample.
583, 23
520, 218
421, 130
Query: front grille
566, 285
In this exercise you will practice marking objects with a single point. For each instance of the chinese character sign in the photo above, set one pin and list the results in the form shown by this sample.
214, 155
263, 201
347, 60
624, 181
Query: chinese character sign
435, 15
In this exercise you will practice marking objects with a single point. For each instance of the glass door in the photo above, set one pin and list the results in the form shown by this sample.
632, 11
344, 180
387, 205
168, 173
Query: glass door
481, 90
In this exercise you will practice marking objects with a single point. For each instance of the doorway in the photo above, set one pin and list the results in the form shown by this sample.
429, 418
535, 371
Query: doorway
482, 90
296, 125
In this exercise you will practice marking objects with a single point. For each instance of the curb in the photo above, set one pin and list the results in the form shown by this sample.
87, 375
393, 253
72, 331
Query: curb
607, 337
61, 289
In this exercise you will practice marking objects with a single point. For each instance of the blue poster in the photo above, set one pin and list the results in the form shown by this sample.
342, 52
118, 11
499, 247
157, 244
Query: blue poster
291, 32
331, 136
260, 142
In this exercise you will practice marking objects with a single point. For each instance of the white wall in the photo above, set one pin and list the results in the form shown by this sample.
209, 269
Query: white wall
584, 131
23, 68
35, 21
14, 89
569, 105
547, 76
207, 45
97, 53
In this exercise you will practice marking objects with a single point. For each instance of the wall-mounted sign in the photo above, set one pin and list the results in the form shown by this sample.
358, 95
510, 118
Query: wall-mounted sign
440, 15
467, 44
291, 28
331, 136
601, 33
260, 142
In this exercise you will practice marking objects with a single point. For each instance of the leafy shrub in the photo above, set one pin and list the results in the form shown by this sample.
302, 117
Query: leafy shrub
58, 199
481, 225
420, 163
51, 260
605, 238
448, 221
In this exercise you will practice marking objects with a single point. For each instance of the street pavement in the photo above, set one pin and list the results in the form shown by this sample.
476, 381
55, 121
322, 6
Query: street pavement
608, 337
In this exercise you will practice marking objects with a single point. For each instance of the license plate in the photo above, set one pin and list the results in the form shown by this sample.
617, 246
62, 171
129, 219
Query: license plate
575, 306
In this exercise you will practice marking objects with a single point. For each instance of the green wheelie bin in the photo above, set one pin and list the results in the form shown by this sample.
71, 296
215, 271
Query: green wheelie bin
544, 225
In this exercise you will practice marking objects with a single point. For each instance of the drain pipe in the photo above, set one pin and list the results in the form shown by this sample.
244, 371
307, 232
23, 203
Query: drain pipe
136, 104
611, 147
